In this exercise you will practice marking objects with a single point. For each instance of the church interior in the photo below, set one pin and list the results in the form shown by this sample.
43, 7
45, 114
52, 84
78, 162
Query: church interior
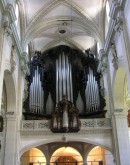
64, 82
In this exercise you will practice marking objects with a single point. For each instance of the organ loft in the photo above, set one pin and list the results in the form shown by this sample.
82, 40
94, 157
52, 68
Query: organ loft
64, 87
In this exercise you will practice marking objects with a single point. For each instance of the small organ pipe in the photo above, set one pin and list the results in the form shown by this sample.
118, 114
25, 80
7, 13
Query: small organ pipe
34, 91
60, 79
30, 97
57, 81
39, 87
93, 92
90, 103
71, 87
67, 77
88, 91
37, 91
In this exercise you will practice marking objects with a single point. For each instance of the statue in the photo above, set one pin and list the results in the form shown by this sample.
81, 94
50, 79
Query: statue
65, 117
65, 106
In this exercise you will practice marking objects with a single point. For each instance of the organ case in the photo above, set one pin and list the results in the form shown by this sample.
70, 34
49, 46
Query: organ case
63, 71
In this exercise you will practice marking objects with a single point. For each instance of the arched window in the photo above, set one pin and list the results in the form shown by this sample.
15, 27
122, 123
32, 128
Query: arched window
17, 14
27, 49
107, 11
17, 22
107, 18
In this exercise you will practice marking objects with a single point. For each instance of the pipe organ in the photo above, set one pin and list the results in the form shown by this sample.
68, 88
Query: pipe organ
63, 71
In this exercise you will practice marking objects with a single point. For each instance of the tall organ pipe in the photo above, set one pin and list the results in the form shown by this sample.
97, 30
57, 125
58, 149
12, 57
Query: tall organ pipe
64, 75
71, 88
88, 91
63, 78
36, 87
67, 77
93, 92
60, 79
57, 81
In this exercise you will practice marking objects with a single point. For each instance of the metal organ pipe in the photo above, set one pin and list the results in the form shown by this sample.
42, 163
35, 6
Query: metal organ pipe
63, 73
36, 99
67, 77
57, 81
92, 93
63, 78
60, 79
71, 87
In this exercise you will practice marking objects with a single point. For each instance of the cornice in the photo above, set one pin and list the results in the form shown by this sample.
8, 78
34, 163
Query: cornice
82, 133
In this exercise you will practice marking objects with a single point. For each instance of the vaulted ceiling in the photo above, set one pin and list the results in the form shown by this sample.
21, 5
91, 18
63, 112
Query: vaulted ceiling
77, 23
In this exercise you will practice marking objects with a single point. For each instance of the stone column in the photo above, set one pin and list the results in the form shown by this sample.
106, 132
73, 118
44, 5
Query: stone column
120, 139
2, 56
10, 139
106, 70
123, 136
121, 28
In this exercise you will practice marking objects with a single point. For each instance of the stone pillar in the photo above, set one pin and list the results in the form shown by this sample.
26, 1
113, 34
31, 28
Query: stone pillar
10, 139
2, 56
85, 162
123, 136
119, 126
106, 69
121, 28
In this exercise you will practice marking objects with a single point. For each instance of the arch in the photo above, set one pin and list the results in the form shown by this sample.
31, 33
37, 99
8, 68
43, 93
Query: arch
100, 154
10, 91
33, 155
53, 4
69, 139
66, 151
119, 88
37, 25
53, 22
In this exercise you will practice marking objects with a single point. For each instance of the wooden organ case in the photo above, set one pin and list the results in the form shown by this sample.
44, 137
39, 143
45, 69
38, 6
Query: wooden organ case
64, 86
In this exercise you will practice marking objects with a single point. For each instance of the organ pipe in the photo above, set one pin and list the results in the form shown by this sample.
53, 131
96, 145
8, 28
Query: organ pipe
36, 99
63, 73
67, 77
92, 93
57, 81
63, 78
60, 79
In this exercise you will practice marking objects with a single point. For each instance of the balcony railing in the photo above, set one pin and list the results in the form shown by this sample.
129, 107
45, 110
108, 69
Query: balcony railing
86, 124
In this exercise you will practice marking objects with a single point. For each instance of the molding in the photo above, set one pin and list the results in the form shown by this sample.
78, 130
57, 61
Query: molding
115, 6
80, 134
115, 26
41, 127
110, 35
22, 57
3, 3
11, 12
